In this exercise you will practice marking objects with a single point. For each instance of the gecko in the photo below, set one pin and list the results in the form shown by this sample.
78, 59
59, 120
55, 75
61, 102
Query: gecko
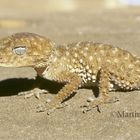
76, 65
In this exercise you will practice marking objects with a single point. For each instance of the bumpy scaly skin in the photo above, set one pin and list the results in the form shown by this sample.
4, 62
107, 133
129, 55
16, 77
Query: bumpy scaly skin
25, 49
88, 63
76, 64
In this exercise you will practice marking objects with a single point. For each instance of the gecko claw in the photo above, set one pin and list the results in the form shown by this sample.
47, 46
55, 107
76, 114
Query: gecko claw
52, 107
40, 108
85, 108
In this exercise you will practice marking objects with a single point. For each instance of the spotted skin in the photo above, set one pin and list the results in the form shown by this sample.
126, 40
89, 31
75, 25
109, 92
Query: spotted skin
25, 49
76, 65
88, 63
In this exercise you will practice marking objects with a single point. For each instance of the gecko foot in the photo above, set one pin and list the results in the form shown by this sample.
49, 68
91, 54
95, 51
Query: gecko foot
35, 92
92, 103
50, 107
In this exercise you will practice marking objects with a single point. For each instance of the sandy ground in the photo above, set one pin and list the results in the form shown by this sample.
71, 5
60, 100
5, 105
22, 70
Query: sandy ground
77, 21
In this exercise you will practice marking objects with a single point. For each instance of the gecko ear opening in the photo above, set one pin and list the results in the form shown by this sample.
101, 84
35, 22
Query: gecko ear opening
20, 50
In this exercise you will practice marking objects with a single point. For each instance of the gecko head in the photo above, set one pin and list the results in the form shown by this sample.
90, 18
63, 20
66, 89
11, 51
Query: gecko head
25, 49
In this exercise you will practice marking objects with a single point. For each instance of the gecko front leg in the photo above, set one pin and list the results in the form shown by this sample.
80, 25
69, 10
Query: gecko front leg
72, 83
35, 92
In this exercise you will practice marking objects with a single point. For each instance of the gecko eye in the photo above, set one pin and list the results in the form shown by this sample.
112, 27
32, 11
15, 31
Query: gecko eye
20, 50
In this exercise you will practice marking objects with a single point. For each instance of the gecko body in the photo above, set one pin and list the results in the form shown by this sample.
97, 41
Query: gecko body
89, 63
76, 65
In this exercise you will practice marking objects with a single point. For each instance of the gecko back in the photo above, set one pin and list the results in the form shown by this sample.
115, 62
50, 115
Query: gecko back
87, 58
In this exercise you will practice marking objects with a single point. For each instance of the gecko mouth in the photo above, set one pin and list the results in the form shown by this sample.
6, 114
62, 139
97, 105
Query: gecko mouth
5, 65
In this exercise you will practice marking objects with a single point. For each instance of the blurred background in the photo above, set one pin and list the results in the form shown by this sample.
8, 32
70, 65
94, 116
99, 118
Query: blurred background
70, 20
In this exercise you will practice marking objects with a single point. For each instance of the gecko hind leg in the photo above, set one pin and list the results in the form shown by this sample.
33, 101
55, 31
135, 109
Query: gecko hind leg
103, 92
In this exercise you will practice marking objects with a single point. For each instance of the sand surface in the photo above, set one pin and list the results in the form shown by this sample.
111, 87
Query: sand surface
74, 21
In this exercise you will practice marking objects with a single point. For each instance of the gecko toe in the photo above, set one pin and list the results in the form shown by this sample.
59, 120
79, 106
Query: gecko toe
112, 100
40, 108
85, 108
92, 103
35, 92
